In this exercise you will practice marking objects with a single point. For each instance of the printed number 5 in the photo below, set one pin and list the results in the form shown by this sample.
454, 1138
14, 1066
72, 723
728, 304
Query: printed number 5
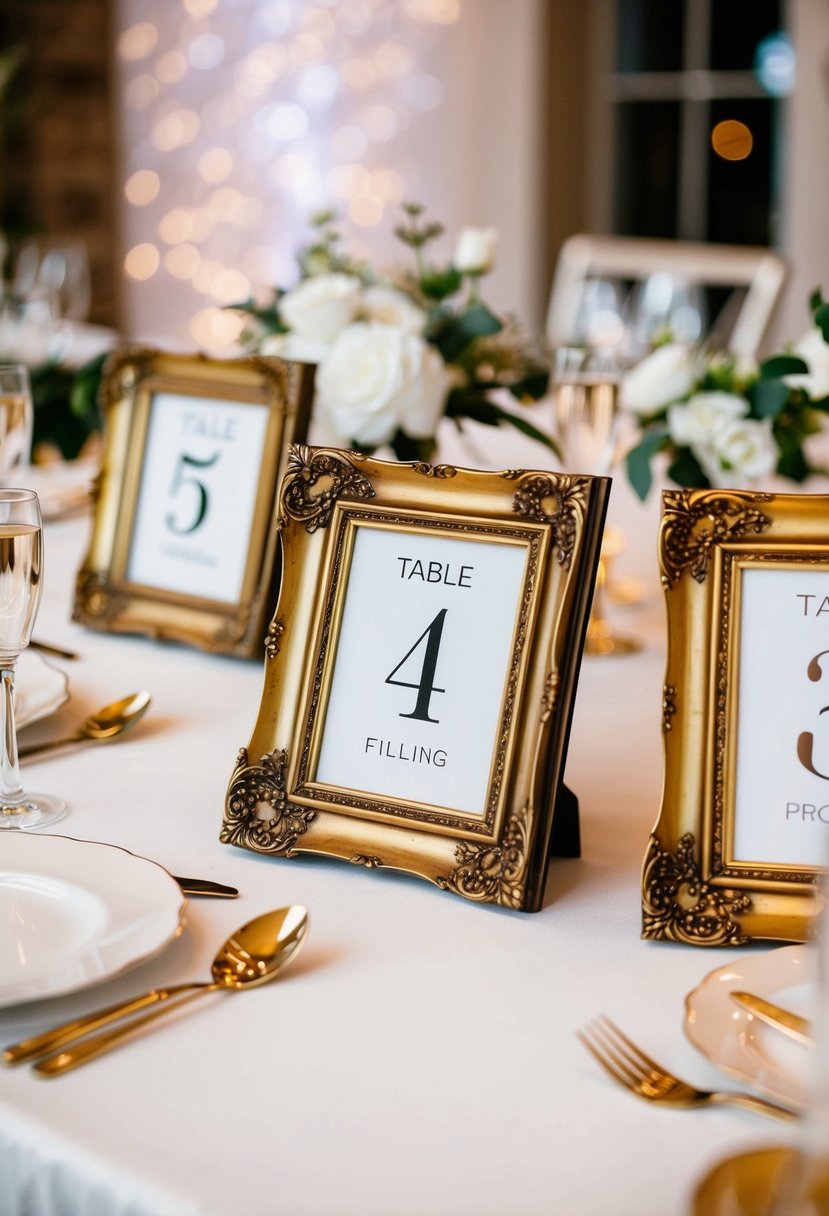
183, 478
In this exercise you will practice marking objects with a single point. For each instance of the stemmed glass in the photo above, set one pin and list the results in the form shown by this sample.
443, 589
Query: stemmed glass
16, 417
58, 265
586, 419
21, 572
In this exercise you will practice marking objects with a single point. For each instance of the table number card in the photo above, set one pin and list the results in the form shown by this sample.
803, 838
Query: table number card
422, 671
185, 541
744, 825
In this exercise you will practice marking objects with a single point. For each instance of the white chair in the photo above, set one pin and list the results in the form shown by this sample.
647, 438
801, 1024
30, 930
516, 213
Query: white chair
756, 274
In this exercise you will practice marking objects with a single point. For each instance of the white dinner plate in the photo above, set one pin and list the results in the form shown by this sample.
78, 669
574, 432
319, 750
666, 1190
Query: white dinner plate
74, 913
741, 1045
39, 688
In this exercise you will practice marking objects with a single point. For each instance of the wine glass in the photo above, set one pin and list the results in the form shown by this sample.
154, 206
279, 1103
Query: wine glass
21, 572
663, 307
58, 265
16, 417
586, 416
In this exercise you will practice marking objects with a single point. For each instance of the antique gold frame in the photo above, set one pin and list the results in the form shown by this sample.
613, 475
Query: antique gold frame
692, 888
105, 598
274, 804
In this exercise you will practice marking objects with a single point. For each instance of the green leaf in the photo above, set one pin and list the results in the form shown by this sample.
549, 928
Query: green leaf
782, 365
822, 321
438, 284
407, 449
768, 398
453, 334
816, 299
686, 471
793, 464
533, 387
639, 461
461, 404
65, 405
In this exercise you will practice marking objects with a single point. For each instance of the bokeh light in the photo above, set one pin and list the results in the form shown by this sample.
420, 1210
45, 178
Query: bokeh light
142, 261
732, 140
142, 187
241, 117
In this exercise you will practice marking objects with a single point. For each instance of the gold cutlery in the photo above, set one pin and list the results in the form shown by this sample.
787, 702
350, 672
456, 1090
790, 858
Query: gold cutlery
634, 1070
47, 648
205, 886
106, 723
789, 1023
253, 955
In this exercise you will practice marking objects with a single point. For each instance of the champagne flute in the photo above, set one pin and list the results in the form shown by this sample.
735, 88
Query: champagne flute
586, 414
16, 417
21, 571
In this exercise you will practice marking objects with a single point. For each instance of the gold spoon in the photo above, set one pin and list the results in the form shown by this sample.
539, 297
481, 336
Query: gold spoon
253, 955
106, 723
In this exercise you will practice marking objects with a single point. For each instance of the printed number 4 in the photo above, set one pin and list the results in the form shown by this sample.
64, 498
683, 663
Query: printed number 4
426, 685
182, 477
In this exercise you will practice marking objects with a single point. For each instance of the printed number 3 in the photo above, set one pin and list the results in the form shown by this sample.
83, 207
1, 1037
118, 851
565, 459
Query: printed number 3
426, 685
183, 478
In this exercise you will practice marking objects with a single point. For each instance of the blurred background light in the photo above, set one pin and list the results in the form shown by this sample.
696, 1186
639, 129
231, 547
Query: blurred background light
775, 65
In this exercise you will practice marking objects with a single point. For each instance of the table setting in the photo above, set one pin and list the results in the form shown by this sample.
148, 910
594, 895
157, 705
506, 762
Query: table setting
423, 1052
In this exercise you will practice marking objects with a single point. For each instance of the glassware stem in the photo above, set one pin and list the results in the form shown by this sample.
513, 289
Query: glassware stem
11, 791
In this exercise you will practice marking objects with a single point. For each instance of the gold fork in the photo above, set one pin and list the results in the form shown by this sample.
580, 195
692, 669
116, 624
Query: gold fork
632, 1068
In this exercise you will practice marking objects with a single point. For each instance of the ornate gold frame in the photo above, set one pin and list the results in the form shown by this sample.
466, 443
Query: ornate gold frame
274, 805
692, 889
104, 597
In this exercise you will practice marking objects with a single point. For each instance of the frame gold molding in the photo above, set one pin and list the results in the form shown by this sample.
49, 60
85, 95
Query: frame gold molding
105, 599
691, 891
273, 803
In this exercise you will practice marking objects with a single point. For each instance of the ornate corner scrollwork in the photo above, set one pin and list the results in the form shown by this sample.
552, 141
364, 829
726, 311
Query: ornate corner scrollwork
558, 499
679, 906
273, 640
489, 873
695, 522
434, 470
122, 371
668, 706
315, 480
259, 786
95, 601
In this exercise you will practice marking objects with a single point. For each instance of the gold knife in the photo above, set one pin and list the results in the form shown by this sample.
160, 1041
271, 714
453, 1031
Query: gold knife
789, 1023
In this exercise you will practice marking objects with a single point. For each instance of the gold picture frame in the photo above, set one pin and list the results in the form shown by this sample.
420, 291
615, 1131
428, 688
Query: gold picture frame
189, 440
738, 842
371, 551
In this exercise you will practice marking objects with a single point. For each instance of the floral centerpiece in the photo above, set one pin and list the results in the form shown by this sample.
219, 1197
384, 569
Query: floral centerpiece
722, 421
399, 351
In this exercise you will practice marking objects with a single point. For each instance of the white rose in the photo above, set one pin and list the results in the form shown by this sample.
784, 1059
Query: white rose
475, 250
292, 346
739, 451
697, 420
376, 378
393, 307
321, 306
660, 378
815, 350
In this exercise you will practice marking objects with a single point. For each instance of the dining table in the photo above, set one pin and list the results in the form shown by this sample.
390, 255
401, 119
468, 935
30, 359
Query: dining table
421, 1055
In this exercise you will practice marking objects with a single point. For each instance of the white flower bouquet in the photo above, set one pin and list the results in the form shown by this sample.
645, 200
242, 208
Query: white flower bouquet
397, 352
723, 422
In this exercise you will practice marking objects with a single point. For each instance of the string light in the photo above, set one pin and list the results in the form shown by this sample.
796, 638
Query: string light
243, 116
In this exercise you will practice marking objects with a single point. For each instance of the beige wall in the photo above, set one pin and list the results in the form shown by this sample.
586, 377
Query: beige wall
805, 197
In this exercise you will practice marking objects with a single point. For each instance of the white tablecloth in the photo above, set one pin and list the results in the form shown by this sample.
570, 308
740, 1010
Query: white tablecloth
420, 1055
